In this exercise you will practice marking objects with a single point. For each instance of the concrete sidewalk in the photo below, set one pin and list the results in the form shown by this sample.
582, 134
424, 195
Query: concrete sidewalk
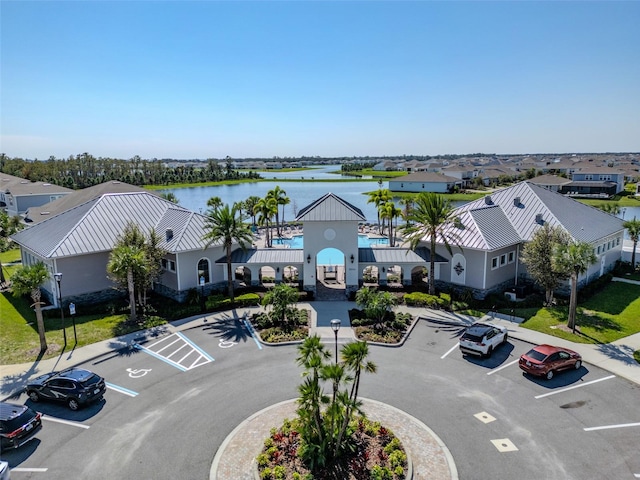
616, 357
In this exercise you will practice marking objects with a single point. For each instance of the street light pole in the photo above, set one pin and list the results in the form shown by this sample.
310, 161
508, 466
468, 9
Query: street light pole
202, 293
335, 326
58, 277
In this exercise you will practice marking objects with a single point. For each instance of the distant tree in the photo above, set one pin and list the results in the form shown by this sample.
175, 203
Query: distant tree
226, 225
574, 259
431, 218
633, 229
280, 197
379, 197
249, 207
537, 255
611, 208
390, 212
29, 279
170, 196
266, 209
214, 202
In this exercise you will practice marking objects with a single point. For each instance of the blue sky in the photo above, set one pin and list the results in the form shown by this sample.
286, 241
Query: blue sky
207, 79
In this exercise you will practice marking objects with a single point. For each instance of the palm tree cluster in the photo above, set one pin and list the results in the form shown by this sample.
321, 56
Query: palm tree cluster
387, 211
267, 211
135, 263
325, 418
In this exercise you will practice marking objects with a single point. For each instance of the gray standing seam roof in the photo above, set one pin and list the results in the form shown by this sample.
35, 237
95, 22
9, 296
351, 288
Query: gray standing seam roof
330, 207
96, 225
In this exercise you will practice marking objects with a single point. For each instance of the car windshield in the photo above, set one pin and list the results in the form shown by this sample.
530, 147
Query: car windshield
92, 380
536, 355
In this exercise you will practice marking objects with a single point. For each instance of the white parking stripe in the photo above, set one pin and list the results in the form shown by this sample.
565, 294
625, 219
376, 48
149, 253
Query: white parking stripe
25, 469
606, 427
184, 345
503, 366
160, 341
637, 475
66, 422
120, 389
450, 350
575, 386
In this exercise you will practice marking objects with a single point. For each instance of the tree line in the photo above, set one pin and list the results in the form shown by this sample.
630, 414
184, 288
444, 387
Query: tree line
85, 170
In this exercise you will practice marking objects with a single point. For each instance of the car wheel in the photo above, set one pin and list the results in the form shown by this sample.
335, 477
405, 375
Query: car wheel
489, 352
506, 337
549, 375
578, 364
33, 396
73, 404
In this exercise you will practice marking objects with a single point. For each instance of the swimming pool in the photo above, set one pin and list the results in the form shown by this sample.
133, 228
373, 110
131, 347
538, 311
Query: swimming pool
297, 241
330, 256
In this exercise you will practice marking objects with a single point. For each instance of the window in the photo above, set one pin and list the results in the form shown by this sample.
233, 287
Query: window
512, 257
503, 259
588, 177
494, 263
203, 270
169, 265
617, 241
598, 249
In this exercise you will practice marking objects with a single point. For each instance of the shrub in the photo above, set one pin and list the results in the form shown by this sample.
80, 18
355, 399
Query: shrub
419, 299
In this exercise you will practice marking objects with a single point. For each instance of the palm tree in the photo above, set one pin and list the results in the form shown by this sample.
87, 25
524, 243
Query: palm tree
280, 196
432, 216
574, 259
379, 197
126, 263
214, 202
170, 196
407, 204
390, 212
611, 208
29, 279
282, 299
266, 209
249, 207
226, 224
633, 229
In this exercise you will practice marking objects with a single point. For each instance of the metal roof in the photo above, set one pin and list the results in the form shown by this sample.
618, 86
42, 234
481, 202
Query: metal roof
396, 256
330, 207
95, 226
265, 256
515, 213
429, 177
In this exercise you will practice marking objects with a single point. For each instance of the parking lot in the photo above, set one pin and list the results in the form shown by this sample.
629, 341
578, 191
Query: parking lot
172, 401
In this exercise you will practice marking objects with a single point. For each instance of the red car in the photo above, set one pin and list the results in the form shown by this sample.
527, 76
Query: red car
546, 360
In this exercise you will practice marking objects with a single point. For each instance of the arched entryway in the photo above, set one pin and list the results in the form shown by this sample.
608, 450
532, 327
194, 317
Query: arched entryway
330, 272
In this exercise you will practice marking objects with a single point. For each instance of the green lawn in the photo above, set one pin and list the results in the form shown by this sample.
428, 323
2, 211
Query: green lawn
612, 314
20, 341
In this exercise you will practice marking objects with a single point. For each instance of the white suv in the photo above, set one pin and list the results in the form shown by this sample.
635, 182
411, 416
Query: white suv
482, 339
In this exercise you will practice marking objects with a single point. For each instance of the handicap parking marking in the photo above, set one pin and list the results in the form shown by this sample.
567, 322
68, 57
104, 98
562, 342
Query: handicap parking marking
119, 389
252, 332
178, 351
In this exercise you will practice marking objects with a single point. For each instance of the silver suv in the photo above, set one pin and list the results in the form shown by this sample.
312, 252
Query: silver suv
482, 339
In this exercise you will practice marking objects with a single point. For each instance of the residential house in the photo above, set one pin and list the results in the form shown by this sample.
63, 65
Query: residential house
17, 195
425, 182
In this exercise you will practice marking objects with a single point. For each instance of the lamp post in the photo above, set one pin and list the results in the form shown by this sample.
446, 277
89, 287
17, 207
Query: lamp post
335, 326
58, 277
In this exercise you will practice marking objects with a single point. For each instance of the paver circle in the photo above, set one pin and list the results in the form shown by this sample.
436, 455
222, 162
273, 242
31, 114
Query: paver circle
235, 459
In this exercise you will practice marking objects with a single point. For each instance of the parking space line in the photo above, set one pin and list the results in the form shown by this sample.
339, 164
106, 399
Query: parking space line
175, 351
120, 389
450, 350
607, 427
30, 470
251, 332
637, 475
66, 422
574, 386
195, 347
160, 357
501, 367
163, 348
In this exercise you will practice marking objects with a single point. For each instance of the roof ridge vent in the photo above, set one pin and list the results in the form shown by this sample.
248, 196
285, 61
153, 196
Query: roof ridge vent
539, 219
169, 234
516, 201
488, 200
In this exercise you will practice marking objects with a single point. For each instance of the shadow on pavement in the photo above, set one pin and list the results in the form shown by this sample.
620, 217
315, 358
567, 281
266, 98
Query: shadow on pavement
560, 379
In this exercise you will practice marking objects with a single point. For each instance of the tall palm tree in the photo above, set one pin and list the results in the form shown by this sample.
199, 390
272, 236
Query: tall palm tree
29, 279
226, 224
379, 197
390, 212
249, 207
407, 204
214, 202
633, 229
280, 196
574, 259
266, 209
432, 216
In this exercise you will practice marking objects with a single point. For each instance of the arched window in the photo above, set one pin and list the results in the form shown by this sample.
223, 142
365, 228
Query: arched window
203, 270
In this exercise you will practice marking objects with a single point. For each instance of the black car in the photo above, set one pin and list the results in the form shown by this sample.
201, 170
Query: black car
75, 387
18, 425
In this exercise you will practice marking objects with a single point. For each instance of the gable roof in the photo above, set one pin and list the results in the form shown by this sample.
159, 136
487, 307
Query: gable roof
78, 197
431, 177
330, 207
95, 225
512, 215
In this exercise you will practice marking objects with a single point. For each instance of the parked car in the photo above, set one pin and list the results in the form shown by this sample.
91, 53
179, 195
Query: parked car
75, 386
482, 339
546, 360
18, 425
5, 471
